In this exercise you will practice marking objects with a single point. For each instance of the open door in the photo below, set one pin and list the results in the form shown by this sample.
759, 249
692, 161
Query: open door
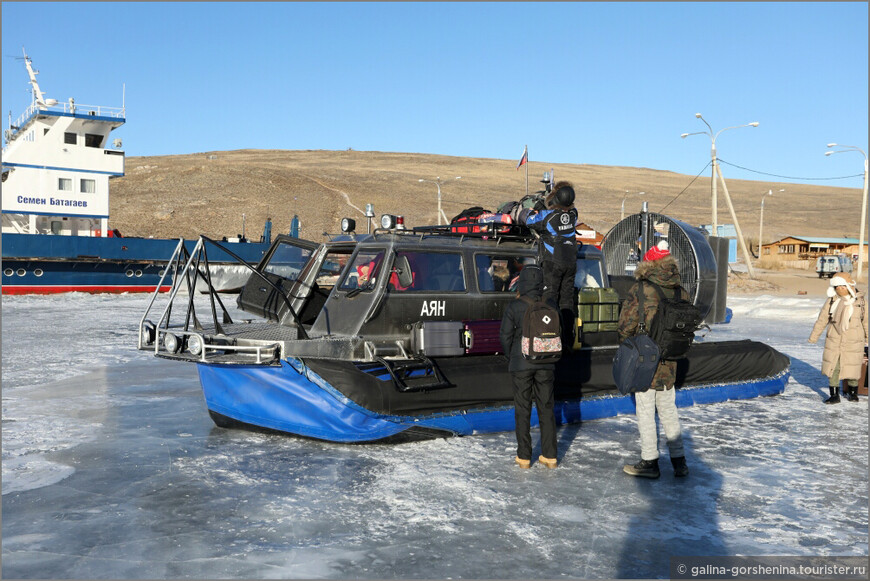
265, 294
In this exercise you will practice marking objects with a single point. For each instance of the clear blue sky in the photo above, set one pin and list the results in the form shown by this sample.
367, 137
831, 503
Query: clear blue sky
594, 83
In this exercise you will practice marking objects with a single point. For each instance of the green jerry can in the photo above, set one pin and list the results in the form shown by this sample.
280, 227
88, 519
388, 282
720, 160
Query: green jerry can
597, 316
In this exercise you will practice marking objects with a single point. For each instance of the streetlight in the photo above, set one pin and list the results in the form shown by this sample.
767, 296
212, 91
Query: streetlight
863, 199
437, 182
715, 159
622, 213
718, 171
761, 221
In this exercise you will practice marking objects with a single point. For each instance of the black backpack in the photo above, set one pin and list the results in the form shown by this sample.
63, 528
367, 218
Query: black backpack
541, 332
464, 215
674, 324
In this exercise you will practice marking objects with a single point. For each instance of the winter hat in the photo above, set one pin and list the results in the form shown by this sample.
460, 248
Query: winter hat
531, 280
842, 279
657, 252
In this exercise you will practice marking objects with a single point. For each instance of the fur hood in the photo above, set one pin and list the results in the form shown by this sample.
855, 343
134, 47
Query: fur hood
663, 272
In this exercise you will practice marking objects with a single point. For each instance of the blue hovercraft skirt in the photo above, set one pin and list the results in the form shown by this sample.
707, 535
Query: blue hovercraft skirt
294, 399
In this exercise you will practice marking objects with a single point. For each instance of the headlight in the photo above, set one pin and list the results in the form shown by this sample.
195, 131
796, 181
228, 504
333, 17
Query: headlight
171, 342
194, 345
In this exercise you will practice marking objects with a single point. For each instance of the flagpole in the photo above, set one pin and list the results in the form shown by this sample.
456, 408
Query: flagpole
527, 170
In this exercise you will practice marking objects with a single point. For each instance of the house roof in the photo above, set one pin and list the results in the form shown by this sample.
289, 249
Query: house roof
817, 240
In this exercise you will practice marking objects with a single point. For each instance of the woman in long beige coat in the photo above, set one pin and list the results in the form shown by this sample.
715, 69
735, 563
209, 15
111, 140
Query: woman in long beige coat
845, 316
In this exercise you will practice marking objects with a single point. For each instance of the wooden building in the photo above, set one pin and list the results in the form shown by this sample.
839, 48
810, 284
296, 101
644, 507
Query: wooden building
802, 251
588, 235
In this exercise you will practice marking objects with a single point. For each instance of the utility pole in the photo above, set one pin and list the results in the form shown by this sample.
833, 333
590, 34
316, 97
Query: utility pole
863, 207
718, 171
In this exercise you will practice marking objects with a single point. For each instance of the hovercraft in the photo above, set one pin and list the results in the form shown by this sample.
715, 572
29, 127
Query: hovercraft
393, 335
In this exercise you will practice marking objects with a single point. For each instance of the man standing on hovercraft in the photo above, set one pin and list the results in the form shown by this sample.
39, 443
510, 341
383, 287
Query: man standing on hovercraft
558, 251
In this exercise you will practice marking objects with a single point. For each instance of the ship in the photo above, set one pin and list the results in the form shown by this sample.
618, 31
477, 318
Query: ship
57, 166
393, 335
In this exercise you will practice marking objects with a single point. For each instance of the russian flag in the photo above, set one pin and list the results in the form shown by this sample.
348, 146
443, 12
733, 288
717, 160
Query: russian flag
525, 158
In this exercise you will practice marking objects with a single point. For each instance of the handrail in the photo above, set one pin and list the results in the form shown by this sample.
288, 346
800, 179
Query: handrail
176, 285
157, 289
65, 108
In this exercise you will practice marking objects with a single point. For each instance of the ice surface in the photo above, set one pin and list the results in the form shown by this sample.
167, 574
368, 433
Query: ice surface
113, 469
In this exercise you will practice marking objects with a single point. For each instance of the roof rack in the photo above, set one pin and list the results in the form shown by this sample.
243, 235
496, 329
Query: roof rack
485, 231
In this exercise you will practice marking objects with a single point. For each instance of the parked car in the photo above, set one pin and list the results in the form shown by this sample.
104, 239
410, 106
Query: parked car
828, 266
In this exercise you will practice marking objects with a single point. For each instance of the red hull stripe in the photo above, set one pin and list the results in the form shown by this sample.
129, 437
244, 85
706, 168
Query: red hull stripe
52, 289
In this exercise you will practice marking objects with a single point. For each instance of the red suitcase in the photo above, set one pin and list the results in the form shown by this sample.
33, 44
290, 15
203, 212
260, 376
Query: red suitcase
481, 337
473, 224
862, 383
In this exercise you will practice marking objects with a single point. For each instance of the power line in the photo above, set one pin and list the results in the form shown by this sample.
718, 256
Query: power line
790, 177
687, 187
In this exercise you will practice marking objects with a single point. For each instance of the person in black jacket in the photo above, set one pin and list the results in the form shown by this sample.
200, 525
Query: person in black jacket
531, 380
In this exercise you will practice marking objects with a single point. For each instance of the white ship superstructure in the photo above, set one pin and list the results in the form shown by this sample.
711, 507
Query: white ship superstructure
56, 166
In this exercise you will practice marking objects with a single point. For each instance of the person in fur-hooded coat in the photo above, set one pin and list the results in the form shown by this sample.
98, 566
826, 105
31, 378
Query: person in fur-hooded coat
844, 314
660, 268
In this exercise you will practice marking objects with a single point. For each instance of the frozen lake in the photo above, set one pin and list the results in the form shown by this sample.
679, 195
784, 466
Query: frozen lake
113, 469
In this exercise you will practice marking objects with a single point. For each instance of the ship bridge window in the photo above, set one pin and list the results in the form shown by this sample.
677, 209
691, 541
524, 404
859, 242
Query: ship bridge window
287, 261
64, 184
499, 272
69, 138
88, 186
93, 140
429, 272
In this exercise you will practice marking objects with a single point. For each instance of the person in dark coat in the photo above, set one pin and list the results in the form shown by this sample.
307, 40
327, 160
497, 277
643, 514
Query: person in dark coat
532, 381
556, 227
658, 267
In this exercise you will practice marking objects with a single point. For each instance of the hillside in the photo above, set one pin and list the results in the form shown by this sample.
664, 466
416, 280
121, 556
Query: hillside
207, 193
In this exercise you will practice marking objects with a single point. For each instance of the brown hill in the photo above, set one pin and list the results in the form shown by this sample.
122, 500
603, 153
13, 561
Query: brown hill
185, 195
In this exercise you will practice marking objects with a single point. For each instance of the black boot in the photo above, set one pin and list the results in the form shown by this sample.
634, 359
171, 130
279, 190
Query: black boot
645, 468
835, 397
680, 468
853, 393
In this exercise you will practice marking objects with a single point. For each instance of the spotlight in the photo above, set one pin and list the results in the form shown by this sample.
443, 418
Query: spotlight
148, 332
388, 221
171, 342
348, 225
194, 345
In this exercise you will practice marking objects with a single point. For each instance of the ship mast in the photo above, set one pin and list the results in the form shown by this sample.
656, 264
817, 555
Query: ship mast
38, 96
